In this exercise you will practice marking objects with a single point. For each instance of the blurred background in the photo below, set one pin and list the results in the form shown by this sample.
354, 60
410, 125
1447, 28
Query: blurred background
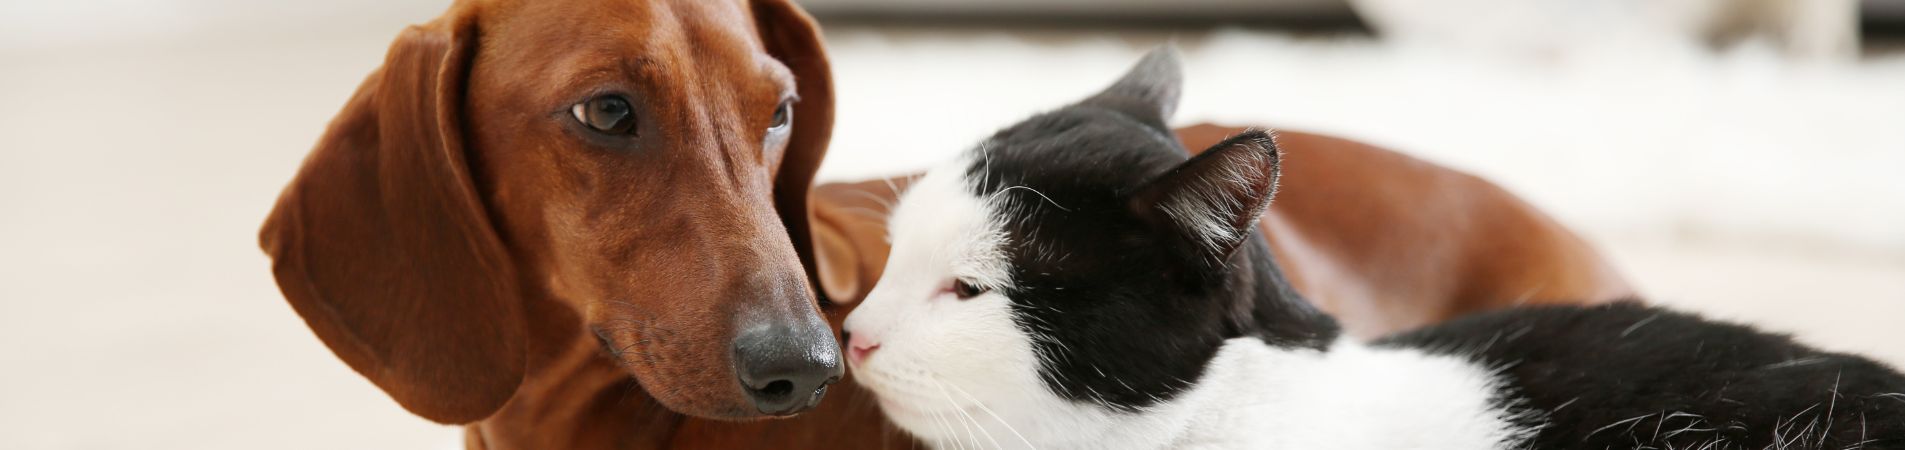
1741, 158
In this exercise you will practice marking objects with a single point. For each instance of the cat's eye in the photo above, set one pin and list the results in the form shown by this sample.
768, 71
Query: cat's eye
783, 116
609, 114
965, 289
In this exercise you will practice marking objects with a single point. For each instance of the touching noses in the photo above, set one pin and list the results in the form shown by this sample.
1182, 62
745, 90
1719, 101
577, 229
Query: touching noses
858, 347
785, 369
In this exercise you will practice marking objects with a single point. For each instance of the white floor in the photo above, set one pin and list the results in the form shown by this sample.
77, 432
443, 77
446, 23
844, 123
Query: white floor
136, 311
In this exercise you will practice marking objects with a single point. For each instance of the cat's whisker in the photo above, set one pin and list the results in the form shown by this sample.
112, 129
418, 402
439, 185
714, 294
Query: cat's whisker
890, 186
1034, 191
962, 412
884, 203
964, 425
995, 416
946, 425
985, 151
965, 422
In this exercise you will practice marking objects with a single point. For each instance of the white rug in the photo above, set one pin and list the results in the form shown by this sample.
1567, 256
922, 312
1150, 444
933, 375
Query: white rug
1656, 141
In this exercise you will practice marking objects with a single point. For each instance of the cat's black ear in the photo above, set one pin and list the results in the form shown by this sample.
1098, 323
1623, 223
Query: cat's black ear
1149, 91
1213, 200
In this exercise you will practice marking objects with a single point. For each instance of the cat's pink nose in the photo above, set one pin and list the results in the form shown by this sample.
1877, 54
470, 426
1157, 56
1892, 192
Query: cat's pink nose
858, 347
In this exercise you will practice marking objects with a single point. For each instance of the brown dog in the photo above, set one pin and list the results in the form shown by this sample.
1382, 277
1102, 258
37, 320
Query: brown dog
534, 205
522, 179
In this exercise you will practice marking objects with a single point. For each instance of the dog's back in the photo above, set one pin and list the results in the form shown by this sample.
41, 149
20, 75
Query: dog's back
1631, 376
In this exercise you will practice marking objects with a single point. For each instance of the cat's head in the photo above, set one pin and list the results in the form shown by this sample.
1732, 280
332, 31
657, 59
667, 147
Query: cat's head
1071, 267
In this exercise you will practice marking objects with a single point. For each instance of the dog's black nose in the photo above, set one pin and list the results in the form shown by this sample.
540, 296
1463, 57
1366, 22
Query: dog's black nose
786, 369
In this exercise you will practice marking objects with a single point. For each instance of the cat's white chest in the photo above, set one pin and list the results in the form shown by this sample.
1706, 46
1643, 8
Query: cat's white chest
1352, 397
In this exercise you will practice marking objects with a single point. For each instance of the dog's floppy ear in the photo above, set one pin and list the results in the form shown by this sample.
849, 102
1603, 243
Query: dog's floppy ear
850, 244
792, 37
1148, 92
382, 244
1213, 200
837, 259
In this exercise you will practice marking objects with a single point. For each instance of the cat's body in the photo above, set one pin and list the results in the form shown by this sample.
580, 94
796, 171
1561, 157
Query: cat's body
1075, 283
1351, 396
1526, 378
1629, 375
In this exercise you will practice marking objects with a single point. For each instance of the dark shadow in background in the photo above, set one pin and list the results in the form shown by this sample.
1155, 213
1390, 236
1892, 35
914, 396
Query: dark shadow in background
1881, 22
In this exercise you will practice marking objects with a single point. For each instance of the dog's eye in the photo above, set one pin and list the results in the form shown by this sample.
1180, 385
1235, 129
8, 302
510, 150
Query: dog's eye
783, 116
965, 289
608, 114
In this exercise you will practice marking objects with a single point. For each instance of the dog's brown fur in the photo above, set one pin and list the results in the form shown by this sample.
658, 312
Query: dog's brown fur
457, 240
456, 232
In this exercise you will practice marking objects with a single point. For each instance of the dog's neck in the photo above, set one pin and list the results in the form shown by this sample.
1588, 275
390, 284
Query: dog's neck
572, 395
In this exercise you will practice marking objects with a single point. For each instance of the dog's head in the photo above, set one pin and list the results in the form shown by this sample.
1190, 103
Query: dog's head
644, 164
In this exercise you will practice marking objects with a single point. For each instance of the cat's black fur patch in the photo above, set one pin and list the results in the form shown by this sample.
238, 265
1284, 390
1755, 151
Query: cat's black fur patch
1118, 314
1629, 376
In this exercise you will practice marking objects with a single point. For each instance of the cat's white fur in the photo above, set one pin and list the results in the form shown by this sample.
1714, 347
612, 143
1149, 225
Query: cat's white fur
961, 374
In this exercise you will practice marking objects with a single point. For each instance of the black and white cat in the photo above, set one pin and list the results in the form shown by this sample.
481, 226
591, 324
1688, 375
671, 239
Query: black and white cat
1075, 282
